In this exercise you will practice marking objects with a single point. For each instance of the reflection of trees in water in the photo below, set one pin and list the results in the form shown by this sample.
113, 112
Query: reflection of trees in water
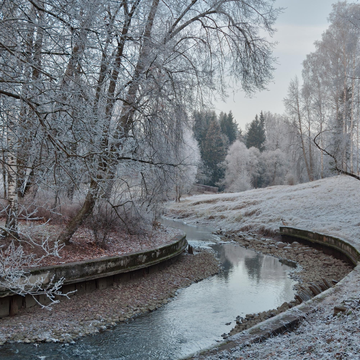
226, 264
253, 266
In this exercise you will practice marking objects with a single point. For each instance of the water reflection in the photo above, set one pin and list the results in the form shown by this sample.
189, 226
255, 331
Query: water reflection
254, 266
194, 320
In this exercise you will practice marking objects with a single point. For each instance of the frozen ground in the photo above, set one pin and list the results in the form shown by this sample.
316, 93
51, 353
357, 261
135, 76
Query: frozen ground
320, 336
328, 206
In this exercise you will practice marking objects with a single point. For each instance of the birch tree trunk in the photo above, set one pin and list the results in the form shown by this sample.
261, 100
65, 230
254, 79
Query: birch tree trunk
357, 129
292, 103
106, 162
344, 127
352, 117
11, 226
308, 111
27, 156
308, 169
321, 115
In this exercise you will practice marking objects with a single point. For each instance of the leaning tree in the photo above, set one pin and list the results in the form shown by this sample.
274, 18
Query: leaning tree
95, 95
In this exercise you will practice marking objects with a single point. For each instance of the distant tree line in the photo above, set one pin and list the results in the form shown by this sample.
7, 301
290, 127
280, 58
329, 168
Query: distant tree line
263, 156
237, 161
322, 111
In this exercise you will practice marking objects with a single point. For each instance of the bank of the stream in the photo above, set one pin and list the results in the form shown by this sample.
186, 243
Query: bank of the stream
312, 267
93, 312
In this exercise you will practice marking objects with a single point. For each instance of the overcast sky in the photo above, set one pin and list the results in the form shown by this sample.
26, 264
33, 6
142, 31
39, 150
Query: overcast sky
299, 26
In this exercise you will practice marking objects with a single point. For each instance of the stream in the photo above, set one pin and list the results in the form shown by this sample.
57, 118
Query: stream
194, 320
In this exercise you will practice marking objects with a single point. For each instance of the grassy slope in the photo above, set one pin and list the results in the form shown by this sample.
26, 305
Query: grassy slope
328, 206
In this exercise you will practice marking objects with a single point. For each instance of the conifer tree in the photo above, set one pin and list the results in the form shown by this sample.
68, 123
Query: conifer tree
228, 126
202, 121
214, 152
256, 133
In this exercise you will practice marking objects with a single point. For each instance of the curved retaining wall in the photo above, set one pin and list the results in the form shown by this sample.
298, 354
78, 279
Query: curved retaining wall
85, 276
291, 318
337, 244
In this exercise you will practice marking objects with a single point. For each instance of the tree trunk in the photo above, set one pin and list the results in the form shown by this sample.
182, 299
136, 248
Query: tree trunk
357, 130
129, 105
27, 120
4, 174
124, 126
321, 130
82, 215
344, 128
311, 166
302, 138
352, 118
11, 226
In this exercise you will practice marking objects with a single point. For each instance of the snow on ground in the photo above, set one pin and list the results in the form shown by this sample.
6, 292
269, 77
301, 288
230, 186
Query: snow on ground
328, 206
320, 336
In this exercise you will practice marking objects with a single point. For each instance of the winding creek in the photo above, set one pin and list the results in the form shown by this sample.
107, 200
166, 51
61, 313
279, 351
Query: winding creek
194, 320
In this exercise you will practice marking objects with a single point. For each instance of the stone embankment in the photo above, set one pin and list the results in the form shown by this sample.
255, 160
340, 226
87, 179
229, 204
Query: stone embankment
314, 270
102, 309
87, 275
108, 290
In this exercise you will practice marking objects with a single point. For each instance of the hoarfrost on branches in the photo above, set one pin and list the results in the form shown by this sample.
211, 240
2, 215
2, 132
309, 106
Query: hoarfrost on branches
95, 100
237, 163
15, 272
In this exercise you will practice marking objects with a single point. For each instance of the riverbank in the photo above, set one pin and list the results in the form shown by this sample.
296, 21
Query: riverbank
328, 329
102, 309
92, 318
311, 266
328, 206
93, 312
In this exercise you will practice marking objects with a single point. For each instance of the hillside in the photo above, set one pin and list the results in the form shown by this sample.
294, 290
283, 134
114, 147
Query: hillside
328, 206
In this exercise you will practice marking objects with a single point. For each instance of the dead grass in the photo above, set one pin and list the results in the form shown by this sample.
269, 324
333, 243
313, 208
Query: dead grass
256, 212
244, 205
211, 201
83, 244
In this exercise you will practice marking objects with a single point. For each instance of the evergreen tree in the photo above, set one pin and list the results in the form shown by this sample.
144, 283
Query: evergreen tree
228, 126
214, 153
256, 133
202, 121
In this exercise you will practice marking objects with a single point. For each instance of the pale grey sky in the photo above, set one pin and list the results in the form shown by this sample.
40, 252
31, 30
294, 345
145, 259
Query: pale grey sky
299, 26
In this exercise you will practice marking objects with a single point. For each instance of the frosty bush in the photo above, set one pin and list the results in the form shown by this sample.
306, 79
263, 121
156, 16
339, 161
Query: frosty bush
237, 163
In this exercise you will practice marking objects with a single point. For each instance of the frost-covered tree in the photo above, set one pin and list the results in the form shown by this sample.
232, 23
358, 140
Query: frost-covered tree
282, 147
275, 167
237, 176
201, 124
185, 174
329, 96
295, 109
90, 90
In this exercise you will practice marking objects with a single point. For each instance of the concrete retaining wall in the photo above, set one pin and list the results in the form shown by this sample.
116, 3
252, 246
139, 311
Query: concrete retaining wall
289, 319
88, 275
337, 244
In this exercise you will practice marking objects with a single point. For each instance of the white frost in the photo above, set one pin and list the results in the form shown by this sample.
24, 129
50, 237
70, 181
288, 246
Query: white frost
329, 206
